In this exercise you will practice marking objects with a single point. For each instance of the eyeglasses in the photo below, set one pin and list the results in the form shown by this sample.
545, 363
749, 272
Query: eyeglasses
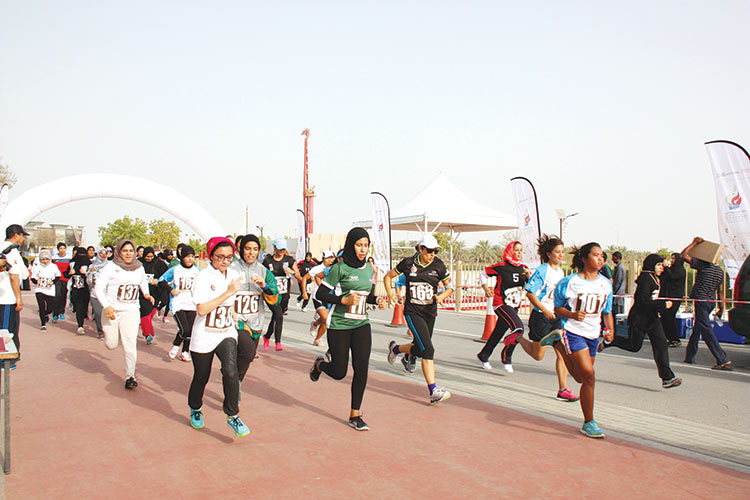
226, 258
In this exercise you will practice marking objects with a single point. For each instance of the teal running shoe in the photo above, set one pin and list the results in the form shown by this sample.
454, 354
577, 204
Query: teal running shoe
592, 430
551, 338
238, 426
196, 418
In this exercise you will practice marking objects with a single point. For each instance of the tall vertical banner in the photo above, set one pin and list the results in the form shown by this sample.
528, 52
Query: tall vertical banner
527, 211
301, 236
730, 164
381, 232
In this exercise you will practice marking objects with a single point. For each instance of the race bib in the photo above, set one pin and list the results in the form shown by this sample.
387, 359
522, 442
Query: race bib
421, 294
246, 303
359, 310
184, 283
45, 283
127, 293
282, 283
513, 296
149, 278
78, 281
220, 318
590, 303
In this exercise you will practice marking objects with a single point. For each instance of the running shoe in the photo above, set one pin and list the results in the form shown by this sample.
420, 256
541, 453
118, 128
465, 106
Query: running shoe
196, 418
100, 336
304, 309
438, 395
727, 367
266, 344
165, 319
358, 424
131, 383
238, 426
313, 329
62, 317
485, 364
391, 355
567, 396
551, 338
316, 342
512, 339
314, 371
149, 339
328, 355
43, 328
406, 361
185, 356
674, 343
81, 331
673, 382
505, 359
174, 351
278, 346
592, 430
54, 319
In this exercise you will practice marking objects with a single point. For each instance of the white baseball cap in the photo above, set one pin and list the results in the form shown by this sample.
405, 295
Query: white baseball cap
328, 253
428, 241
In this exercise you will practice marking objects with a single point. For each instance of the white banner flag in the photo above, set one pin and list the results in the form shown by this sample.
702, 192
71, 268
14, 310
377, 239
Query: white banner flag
301, 236
381, 232
528, 219
731, 168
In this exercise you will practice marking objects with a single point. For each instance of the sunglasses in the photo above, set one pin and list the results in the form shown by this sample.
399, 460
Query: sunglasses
431, 250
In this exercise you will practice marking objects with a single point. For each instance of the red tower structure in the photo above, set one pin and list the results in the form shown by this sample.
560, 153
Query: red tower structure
308, 193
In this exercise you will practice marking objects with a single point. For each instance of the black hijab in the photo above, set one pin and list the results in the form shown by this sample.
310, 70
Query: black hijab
184, 252
244, 241
649, 263
350, 255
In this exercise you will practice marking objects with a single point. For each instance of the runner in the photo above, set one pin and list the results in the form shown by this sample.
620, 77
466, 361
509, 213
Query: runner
511, 277
580, 301
153, 269
94, 269
62, 260
544, 325
643, 319
117, 289
423, 272
314, 276
257, 288
283, 266
304, 267
44, 276
214, 333
349, 326
79, 289
180, 280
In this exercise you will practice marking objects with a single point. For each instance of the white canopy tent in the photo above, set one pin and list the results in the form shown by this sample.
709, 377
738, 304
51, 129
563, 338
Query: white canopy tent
442, 205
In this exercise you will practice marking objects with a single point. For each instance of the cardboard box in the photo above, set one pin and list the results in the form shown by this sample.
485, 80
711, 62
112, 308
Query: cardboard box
708, 251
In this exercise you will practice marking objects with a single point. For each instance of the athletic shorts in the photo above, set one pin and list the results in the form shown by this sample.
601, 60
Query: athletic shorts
574, 343
318, 304
540, 326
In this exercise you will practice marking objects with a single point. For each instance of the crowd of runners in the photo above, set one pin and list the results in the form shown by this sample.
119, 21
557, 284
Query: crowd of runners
222, 309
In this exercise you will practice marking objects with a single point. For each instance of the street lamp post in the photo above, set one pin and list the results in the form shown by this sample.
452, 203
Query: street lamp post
563, 217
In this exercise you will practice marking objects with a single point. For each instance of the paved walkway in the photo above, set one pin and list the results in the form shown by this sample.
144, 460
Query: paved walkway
78, 433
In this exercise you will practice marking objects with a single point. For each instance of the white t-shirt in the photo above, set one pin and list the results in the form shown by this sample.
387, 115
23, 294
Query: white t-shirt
45, 278
14, 266
592, 296
314, 272
183, 279
217, 325
117, 288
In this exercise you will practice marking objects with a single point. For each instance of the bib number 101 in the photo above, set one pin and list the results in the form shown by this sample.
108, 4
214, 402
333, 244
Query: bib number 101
590, 303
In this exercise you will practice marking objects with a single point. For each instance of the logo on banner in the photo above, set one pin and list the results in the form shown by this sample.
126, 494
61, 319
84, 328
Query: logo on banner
526, 220
380, 227
734, 200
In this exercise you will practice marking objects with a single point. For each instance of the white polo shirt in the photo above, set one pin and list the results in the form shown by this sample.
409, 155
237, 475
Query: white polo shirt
14, 266
217, 325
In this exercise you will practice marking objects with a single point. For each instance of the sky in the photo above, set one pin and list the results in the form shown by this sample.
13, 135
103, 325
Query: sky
604, 106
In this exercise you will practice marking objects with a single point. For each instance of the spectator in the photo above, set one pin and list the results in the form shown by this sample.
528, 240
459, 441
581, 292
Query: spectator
672, 287
618, 284
709, 280
13, 272
606, 271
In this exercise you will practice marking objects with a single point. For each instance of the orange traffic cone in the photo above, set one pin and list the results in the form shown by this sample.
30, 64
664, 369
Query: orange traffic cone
398, 316
490, 320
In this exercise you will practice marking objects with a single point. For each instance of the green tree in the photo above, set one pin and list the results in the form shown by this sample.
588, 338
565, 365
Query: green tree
6, 175
124, 227
163, 234
198, 245
482, 251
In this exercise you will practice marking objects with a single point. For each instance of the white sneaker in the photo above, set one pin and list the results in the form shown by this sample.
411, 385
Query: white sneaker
313, 329
185, 356
304, 309
508, 368
485, 364
174, 351
391, 355
438, 395
81, 331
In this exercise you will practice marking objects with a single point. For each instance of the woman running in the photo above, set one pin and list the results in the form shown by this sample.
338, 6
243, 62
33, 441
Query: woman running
44, 276
672, 286
153, 269
349, 328
643, 319
544, 325
283, 267
100, 260
79, 289
214, 334
181, 279
511, 277
423, 272
581, 300
314, 276
117, 290
304, 267
257, 288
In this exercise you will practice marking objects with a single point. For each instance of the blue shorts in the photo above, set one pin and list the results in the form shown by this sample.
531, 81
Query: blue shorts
574, 343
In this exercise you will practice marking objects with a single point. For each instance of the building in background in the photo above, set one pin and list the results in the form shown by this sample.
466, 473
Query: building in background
43, 235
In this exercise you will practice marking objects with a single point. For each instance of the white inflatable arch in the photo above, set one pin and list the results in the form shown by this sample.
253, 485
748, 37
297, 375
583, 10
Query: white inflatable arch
84, 187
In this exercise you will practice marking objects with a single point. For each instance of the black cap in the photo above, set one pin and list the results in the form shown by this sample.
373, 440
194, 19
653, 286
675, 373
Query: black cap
15, 229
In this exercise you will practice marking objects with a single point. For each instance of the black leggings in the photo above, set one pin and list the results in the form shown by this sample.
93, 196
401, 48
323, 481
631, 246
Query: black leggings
277, 318
227, 354
61, 297
46, 306
80, 299
669, 321
634, 341
246, 348
359, 341
184, 320
507, 319
421, 327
